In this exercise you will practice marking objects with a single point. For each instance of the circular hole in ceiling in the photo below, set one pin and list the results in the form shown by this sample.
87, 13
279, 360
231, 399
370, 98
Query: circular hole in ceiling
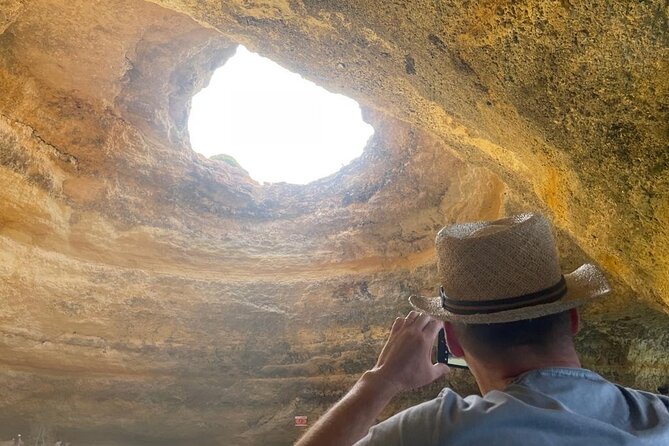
276, 125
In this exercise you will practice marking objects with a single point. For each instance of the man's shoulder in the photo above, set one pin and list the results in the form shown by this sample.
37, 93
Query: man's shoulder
559, 400
423, 423
419, 423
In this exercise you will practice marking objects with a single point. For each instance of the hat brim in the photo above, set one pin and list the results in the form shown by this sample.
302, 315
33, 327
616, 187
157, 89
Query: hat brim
583, 285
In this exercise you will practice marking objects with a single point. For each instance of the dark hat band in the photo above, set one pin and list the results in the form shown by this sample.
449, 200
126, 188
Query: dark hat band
466, 307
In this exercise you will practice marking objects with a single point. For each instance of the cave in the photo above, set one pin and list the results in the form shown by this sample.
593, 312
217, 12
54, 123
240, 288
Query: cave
153, 296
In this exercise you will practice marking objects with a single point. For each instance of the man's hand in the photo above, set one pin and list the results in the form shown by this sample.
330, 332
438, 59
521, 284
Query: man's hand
405, 363
406, 360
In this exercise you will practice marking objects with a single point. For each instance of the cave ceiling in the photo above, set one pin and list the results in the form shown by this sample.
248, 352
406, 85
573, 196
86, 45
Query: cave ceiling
152, 296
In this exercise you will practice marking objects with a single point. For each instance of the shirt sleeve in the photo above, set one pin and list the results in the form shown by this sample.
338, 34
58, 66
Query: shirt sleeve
416, 425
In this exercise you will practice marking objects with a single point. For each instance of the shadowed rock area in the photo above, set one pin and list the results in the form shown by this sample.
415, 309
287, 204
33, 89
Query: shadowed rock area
152, 296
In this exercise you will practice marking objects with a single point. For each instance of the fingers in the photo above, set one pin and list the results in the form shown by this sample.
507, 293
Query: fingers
440, 370
432, 327
399, 321
417, 320
411, 317
406, 357
421, 321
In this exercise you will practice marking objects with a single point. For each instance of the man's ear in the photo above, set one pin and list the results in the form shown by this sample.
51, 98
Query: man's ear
452, 340
575, 321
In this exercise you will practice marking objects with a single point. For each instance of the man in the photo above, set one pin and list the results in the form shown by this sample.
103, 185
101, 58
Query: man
510, 312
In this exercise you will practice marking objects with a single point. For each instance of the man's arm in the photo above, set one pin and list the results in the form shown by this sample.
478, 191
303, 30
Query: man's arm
404, 363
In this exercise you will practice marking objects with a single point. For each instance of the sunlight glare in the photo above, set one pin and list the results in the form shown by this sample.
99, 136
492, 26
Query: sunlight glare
277, 125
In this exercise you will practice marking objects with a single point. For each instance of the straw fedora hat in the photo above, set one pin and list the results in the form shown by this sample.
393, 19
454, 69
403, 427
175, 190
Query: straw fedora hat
503, 271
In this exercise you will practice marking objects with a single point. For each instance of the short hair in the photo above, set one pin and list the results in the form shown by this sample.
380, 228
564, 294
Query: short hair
494, 340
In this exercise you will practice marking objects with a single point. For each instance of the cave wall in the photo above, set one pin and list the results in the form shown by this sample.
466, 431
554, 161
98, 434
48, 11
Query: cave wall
567, 102
150, 295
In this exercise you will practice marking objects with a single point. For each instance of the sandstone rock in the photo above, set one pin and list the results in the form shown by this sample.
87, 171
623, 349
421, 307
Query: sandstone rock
150, 295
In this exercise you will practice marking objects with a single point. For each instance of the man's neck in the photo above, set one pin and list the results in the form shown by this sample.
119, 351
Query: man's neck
497, 375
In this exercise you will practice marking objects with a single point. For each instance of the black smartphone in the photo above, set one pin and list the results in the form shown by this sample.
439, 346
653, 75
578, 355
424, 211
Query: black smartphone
444, 356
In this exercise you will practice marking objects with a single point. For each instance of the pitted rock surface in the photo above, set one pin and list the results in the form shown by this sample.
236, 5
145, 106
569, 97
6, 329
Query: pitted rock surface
152, 296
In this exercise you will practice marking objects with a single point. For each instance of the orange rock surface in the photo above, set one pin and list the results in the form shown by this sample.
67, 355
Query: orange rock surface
152, 296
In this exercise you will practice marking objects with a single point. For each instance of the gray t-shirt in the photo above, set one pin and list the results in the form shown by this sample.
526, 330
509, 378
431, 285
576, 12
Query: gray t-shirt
553, 406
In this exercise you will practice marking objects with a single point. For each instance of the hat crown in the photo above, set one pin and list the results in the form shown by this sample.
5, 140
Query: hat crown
486, 261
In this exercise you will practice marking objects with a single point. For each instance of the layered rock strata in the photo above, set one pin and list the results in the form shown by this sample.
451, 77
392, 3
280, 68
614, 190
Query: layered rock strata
150, 295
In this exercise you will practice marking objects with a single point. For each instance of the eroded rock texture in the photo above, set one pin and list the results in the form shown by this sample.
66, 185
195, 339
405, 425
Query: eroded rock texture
152, 296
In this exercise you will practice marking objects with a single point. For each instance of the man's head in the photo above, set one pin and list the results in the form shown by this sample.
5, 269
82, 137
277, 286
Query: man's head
497, 353
507, 304
501, 342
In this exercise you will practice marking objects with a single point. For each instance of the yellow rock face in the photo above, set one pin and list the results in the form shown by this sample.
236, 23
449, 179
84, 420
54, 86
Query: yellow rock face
151, 296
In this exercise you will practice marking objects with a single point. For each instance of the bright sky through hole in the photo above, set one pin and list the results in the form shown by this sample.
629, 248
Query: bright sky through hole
277, 125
